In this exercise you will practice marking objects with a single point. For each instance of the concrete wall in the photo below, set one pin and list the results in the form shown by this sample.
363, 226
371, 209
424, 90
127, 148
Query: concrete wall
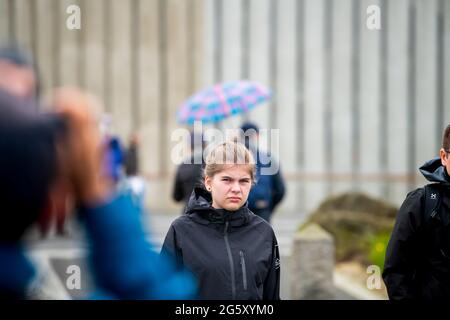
357, 108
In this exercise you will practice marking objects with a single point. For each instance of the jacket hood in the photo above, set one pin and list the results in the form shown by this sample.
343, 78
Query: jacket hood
434, 171
199, 209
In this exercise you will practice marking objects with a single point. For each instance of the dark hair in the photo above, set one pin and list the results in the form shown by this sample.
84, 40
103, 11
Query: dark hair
27, 166
446, 139
249, 126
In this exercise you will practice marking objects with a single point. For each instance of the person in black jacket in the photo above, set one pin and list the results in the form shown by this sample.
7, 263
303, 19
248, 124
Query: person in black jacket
232, 252
190, 172
417, 262
270, 189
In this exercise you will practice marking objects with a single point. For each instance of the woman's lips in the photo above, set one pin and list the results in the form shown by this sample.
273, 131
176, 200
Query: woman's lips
234, 199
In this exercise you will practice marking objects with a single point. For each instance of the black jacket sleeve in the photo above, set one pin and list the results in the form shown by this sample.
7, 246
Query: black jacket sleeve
178, 193
403, 249
272, 281
171, 248
278, 189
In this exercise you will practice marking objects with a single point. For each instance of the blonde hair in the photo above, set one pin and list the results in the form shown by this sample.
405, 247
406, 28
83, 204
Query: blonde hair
226, 154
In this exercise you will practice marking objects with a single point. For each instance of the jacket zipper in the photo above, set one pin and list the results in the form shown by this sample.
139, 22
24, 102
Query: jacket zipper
230, 257
244, 270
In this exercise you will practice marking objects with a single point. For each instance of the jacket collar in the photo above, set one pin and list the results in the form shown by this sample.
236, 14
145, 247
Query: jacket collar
434, 171
200, 210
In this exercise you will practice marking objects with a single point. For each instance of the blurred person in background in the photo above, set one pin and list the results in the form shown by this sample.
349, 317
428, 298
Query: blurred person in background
134, 183
28, 170
19, 78
190, 173
38, 151
269, 190
132, 156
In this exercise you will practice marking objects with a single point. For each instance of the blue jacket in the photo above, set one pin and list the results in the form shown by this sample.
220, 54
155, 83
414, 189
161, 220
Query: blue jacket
123, 264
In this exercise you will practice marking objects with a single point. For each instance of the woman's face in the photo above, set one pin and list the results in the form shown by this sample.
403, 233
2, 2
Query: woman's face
230, 187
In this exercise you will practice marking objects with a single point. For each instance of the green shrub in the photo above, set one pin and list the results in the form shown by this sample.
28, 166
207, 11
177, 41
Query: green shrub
378, 245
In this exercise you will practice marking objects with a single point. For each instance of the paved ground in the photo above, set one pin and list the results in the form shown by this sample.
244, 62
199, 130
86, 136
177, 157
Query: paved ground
58, 253
157, 226
61, 252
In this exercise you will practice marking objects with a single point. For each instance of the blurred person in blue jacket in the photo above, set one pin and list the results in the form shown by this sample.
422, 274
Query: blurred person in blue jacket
38, 151
270, 189
19, 78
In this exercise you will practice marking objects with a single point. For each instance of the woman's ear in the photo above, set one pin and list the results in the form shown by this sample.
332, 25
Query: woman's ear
444, 158
208, 183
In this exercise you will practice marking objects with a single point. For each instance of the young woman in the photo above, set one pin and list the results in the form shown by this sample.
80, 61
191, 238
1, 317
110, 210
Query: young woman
232, 252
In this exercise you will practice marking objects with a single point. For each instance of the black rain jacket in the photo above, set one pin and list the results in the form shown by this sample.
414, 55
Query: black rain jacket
234, 255
417, 264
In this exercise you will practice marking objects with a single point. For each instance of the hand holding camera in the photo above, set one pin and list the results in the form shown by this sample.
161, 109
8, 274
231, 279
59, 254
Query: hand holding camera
79, 150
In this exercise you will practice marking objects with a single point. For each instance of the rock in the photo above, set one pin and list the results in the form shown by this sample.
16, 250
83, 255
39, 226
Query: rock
312, 264
354, 220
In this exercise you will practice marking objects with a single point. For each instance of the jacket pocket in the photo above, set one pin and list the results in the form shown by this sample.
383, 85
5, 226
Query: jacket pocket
244, 270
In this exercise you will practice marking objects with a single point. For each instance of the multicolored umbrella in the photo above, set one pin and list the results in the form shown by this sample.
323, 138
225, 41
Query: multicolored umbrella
221, 101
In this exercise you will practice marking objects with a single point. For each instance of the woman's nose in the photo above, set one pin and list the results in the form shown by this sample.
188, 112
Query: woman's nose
235, 187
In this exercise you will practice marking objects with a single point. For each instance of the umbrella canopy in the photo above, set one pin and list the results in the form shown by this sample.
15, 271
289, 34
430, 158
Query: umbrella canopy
221, 101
